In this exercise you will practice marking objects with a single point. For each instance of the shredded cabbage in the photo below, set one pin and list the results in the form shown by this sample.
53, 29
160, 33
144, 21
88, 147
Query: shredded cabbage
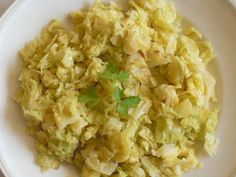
122, 93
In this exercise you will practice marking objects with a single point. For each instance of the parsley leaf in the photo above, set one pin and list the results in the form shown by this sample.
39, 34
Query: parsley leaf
118, 94
131, 102
122, 109
122, 76
123, 104
112, 73
89, 96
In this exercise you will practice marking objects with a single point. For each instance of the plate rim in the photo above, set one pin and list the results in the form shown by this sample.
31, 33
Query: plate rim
3, 20
233, 2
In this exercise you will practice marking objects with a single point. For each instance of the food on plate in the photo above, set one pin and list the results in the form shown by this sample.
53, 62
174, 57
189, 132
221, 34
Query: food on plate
120, 93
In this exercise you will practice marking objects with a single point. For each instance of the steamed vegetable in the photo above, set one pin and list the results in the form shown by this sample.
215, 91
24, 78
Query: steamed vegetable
122, 93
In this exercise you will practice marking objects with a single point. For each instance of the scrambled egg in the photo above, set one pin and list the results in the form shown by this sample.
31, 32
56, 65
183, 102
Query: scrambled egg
123, 93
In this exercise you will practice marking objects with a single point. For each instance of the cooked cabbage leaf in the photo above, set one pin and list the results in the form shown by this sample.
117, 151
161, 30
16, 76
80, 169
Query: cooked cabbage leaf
120, 93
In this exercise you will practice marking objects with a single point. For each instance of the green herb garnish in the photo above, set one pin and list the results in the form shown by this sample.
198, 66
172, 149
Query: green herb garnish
112, 72
118, 94
123, 105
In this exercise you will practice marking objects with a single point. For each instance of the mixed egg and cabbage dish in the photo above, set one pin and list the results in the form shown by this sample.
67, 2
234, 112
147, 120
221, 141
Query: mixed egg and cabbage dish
120, 93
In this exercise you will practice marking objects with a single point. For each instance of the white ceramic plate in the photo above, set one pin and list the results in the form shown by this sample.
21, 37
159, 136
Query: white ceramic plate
215, 18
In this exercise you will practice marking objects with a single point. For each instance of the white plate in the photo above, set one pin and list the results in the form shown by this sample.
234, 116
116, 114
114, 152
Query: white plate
215, 18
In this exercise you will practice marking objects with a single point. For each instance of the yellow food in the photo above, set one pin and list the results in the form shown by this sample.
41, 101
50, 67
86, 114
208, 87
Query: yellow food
122, 93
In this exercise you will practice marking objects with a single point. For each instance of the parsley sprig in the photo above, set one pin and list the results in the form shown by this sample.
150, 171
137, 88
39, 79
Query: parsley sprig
123, 104
113, 73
